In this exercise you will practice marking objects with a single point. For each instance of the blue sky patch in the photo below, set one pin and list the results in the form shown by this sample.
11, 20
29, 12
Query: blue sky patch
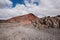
17, 2
22, 2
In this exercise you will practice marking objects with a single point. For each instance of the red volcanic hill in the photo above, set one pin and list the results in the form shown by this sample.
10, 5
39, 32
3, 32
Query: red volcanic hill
25, 19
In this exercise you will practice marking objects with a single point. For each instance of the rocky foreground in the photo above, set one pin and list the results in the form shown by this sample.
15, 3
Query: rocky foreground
30, 27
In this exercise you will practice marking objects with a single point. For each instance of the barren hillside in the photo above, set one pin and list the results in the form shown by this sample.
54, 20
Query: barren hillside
30, 27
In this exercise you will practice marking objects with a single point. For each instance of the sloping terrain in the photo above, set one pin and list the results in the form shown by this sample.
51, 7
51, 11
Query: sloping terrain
47, 22
24, 19
27, 32
30, 27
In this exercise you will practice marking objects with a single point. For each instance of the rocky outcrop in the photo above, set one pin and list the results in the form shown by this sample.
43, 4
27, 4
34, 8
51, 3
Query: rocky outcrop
47, 22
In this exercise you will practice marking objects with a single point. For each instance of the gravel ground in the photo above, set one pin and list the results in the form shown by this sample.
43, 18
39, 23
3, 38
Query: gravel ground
15, 31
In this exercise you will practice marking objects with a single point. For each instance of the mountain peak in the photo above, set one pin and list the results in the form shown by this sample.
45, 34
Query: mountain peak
24, 19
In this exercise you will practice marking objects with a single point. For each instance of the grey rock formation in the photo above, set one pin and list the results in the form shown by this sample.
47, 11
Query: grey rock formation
47, 22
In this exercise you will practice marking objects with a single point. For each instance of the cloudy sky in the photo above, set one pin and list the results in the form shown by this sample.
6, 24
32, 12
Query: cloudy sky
41, 8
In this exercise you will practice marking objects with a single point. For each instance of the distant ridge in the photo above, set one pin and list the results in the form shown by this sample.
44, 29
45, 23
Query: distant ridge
24, 19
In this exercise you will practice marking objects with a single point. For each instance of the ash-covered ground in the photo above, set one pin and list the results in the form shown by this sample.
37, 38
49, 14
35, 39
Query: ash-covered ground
15, 31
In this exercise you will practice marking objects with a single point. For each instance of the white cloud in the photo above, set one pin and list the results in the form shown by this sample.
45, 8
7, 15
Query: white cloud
46, 8
7, 13
5, 3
